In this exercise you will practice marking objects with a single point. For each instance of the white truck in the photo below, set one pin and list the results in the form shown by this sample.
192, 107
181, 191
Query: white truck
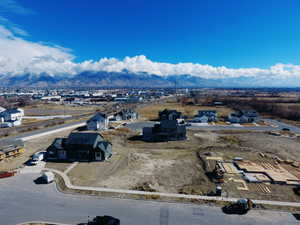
48, 177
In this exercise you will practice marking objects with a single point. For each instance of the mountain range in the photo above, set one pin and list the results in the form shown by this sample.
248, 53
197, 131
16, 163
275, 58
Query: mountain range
129, 79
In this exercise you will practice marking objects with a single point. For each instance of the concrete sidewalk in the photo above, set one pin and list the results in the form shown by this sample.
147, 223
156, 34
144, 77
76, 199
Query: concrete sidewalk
196, 197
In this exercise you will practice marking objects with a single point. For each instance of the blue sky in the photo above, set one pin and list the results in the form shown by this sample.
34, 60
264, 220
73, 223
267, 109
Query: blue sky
210, 37
233, 33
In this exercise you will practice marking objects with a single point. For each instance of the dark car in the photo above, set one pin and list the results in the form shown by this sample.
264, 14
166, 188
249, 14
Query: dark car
285, 129
104, 220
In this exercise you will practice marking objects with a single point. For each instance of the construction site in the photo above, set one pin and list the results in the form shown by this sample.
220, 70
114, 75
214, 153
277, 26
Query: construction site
230, 163
243, 164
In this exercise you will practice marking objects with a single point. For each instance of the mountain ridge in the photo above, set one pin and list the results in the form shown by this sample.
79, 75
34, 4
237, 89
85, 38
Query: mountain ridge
129, 79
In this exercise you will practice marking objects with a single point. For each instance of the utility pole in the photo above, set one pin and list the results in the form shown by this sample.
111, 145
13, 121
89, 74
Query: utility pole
175, 84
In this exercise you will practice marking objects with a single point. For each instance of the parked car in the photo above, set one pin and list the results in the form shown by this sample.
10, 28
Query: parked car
37, 157
48, 177
104, 220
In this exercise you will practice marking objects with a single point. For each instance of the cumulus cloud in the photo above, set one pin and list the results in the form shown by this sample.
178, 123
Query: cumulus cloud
140, 63
19, 56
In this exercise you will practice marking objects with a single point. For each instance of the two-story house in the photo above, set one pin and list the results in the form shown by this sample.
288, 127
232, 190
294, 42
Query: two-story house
98, 122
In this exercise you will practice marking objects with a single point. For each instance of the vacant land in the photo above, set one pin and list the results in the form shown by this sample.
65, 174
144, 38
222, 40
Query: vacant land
175, 167
50, 109
165, 167
151, 112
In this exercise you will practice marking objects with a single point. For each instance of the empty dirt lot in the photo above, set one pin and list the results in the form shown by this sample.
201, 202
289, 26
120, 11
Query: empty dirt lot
164, 167
175, 166
151, 112
50, 109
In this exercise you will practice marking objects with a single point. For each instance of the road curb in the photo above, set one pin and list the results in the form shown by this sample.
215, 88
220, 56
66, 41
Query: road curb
168, 195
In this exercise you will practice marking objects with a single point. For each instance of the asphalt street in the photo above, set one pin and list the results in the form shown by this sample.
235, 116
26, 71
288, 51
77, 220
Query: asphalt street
22, 200
138, 126
39, 131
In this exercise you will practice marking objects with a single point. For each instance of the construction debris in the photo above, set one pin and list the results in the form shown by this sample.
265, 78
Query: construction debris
276, 173
244, 186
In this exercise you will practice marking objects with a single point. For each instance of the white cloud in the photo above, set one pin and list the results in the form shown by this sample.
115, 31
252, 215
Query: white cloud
19, 56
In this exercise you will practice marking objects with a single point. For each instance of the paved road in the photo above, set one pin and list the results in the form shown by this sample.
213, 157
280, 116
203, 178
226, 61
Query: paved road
284, 125
276, 126
47, 117
22, 200
138, 126
44, 130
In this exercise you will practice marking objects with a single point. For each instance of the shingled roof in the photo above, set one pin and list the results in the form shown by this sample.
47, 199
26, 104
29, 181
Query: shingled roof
81, 138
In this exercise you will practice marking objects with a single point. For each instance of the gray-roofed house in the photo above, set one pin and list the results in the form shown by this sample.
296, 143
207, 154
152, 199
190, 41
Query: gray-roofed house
80, 146
205, 116
244, 116
167, 114
126, 114
98, 122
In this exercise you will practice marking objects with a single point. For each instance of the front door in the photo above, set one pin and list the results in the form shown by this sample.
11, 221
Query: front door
98, 156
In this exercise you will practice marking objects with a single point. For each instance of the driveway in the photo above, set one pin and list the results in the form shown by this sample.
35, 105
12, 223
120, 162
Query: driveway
22, 200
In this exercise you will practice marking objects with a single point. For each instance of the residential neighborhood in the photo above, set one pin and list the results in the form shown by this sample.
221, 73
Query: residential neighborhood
149, 112
168, 146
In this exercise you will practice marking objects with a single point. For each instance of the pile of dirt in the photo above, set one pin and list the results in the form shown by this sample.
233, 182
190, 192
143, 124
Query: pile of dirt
144, 187
190, 190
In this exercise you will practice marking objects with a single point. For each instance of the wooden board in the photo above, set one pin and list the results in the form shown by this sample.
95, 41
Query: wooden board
230, 168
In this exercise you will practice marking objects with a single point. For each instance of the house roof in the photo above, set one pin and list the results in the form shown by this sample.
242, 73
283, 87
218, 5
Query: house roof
13, 111
80, 138
97, 116
59, 143
103, 145
245, 112
2, 109
124, 112
207, 111
168, 111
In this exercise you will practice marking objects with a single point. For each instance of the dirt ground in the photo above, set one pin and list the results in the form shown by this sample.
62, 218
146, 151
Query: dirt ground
175, 167
150, 112
164, 167
49, 109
